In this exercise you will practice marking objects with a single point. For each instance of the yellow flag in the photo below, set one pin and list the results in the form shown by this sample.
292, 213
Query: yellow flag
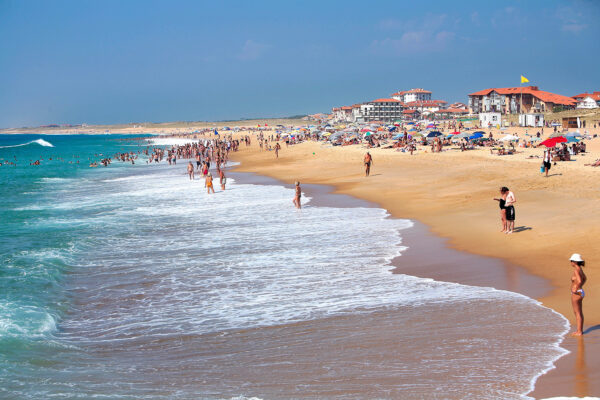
523, 79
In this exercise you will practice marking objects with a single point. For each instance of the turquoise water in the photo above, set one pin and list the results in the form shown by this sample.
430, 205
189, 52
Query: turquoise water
36, 256
131, 282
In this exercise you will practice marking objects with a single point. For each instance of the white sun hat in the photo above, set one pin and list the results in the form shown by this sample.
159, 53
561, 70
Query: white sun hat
576, 257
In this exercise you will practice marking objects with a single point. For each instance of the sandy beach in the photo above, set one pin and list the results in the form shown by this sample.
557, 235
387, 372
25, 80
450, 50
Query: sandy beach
451, 192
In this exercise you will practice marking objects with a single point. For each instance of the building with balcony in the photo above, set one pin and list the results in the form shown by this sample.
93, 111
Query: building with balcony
384, 110
406, 96
517, 100
588, 100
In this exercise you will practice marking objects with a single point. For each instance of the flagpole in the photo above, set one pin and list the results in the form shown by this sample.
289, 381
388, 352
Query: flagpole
521, 107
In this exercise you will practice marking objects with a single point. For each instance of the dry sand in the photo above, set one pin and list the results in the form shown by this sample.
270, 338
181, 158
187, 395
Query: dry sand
452, 193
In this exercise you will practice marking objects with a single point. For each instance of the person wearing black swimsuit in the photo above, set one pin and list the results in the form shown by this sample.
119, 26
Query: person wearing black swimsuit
502, 202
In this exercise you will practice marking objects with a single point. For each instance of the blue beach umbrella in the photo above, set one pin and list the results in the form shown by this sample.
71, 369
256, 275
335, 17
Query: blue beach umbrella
434, 134
572, 139
476, 135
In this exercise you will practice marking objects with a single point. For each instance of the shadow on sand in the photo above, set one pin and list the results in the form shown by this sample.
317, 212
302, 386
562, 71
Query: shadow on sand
522, 228
591, 328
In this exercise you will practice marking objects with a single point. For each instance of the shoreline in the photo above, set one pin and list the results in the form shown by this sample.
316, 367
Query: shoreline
424, 250
566, 379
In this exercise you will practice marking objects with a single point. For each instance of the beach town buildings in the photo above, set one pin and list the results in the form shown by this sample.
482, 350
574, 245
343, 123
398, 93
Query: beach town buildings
402, 105
517, 100
451, 113
588, 100
385, 110
407, 96
459, 106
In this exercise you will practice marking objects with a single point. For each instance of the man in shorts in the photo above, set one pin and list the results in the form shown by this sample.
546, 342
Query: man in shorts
510, 209
547, 161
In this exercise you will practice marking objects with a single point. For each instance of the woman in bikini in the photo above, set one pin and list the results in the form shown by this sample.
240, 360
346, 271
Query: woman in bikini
208, 183
577, 294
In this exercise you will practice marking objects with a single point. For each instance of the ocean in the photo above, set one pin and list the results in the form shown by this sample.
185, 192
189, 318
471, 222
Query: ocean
131, 282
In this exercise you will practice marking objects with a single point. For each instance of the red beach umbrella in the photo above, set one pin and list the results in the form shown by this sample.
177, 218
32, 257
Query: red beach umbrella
553, 141
455, 133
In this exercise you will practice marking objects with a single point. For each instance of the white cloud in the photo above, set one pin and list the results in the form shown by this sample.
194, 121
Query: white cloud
414, 42
431, 33
570, 20
252, 50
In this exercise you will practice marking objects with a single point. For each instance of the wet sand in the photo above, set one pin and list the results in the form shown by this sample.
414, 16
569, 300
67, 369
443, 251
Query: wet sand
407, 188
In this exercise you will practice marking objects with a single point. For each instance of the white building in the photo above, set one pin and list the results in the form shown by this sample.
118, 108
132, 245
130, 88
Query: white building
384, 110
425, 106
407, 96
342, 114
534, 119
489, 119
587, 102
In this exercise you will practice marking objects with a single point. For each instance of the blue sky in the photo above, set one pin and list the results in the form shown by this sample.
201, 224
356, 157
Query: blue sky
134, 61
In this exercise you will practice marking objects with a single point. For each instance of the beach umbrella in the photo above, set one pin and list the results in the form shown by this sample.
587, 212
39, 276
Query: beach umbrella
551, 142
476, 135
434, 134
574, 134
572, 139
509, 138
482, 132
398, 137
455, 133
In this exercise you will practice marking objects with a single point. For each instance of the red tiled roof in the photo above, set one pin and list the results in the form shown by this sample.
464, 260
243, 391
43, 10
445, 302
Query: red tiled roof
347, 108
398, 93
595, 96
386, 101
409, 111
424, 103
356, 106
335, 109
532, 90
453, 110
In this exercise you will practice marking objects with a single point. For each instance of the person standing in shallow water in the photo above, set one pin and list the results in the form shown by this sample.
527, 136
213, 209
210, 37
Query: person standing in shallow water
190, 169
577, 294
222, 179
368, 161
297, 195
208, 183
